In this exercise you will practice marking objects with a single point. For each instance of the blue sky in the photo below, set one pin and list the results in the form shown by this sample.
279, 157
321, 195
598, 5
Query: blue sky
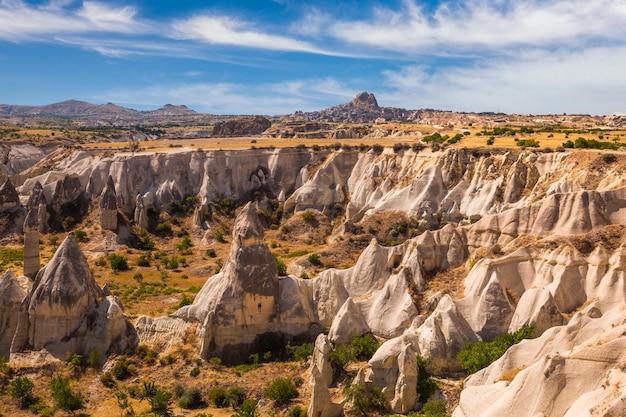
279, 56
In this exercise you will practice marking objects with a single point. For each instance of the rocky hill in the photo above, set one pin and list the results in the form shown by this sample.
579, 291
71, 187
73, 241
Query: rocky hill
486, 242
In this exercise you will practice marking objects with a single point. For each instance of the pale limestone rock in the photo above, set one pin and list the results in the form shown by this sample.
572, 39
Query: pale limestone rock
9, 199
12, 292
321, 377
348, 323
573, 370
36, 222
536, 308
66, 311
443, 335
108, 206
240, 302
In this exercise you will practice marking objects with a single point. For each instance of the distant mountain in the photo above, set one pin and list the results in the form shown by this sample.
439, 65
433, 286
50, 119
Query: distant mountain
172, 110
82, 109
363, 108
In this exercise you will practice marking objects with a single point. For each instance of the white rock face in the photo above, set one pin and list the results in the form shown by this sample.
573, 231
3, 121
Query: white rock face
573, 370
13, 291
321, 377
65, 311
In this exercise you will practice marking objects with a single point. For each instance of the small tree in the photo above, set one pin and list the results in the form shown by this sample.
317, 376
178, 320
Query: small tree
118, 262
161, 403
281, 391
64, 397
21, 388
247, 409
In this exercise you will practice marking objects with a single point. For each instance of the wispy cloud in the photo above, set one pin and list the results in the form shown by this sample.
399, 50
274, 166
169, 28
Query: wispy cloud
232, 98
22, 22
487, 25
589, 81
225, 30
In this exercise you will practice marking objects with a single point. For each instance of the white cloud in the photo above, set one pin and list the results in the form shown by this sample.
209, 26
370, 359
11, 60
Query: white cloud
230, 98
487, 25
107, 18
224, 30
535, 82
19, 21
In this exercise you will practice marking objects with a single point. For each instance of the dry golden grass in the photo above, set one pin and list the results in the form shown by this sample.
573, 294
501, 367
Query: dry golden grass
510, 375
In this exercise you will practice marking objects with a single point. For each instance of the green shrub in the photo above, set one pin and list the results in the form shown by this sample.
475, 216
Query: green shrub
434, 409
75, 362
308, 216
211, 253
247, 409
364, 401
281, 266
21, 388
314, 259
301, 352
149, 390
80, 235
64, 397
106, 379
426, 384
217, 397
194, 372
191, 399
281, 391
236, 397
297, 411
164, 228
476, 356
364, 346
144, 260
219, 236
121, 369
529, 143
160, 403
118, 262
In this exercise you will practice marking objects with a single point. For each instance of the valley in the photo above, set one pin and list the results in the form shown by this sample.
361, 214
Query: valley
318, 267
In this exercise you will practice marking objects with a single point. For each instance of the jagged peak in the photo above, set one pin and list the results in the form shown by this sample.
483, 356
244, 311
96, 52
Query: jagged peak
108, 198
248, 224
365, 100
67, 275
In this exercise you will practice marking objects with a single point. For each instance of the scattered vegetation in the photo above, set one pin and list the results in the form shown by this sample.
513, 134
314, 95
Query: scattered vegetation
118, 262
476, 356
281, 391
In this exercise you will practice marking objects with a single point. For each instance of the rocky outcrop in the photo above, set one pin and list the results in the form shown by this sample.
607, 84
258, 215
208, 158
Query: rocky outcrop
321, 378
9, 199
573, 370
35, 223
240, 303
108, 206
13, 290
348, 323
241, 127
66, 311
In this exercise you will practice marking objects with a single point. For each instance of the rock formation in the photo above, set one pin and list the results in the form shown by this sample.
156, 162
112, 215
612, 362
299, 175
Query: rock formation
238, 304
12, 292
108, 206
573, 370
34, 224
66, 311
321, 379
242, 127
9, 199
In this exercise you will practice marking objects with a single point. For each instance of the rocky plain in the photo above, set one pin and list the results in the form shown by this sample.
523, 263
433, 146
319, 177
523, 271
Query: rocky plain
366, 279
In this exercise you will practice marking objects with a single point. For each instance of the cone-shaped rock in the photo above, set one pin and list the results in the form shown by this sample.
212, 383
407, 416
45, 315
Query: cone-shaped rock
348, 323
108, 206
12, 293
240, 303
9, 199
36, 216
66, 311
